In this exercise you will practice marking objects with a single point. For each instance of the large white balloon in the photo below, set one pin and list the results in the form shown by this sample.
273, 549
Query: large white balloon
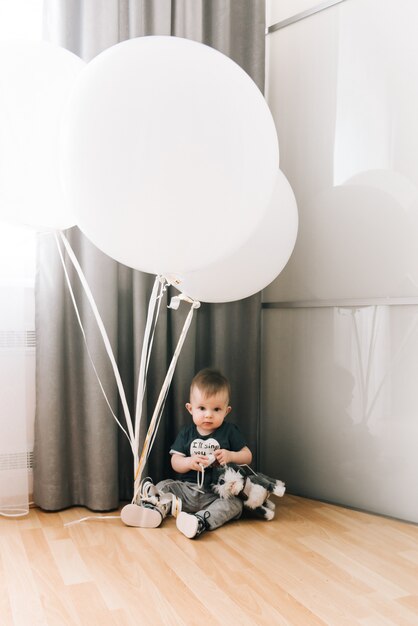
35, 82
170, 154
257, 262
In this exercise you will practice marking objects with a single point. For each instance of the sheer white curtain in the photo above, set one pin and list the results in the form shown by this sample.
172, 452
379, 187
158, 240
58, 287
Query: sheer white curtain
17, 367
19, 20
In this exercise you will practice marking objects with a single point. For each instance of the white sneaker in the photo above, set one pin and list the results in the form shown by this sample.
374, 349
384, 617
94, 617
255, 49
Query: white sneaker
148, 492
141, 515
152, 508
192, 525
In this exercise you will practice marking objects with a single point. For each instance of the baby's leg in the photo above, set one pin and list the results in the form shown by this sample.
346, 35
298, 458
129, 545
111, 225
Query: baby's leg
192, 498
214, 513
221, 511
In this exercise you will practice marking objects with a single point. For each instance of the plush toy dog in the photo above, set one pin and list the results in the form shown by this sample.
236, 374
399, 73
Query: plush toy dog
237, 480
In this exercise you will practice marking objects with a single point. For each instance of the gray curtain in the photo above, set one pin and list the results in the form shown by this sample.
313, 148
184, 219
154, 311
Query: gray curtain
81, 456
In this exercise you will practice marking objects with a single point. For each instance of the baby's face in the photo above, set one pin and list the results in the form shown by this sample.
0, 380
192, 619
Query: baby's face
208, 412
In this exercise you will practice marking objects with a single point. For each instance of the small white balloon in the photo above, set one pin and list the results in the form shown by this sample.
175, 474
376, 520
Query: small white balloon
257, 262
169, 155
35, 82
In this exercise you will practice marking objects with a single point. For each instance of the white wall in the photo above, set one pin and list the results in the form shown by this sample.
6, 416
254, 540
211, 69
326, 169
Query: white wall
340, 324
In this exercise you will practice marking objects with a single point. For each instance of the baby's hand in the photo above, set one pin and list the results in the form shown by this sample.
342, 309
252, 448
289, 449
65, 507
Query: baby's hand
223, 456
196, 462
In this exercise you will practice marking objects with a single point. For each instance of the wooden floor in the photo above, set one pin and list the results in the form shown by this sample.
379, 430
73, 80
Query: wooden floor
313, 564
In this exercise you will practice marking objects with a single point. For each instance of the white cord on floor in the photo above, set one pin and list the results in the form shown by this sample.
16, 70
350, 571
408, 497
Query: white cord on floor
99, 517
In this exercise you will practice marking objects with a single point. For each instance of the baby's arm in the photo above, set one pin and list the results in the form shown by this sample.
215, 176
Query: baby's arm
243, 456
182, 464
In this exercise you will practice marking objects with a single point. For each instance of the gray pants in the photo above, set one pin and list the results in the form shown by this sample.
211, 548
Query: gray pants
193, 501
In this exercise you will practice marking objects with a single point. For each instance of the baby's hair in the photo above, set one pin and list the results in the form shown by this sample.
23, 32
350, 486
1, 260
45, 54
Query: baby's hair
210, 382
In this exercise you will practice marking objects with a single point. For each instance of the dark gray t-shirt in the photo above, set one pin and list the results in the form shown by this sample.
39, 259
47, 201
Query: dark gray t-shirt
189, 441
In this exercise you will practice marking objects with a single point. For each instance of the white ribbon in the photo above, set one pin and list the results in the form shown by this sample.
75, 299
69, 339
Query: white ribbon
102, 329
159, 288
159, 407
152, 318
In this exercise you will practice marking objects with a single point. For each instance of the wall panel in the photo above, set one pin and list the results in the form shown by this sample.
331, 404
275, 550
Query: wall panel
340, 323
